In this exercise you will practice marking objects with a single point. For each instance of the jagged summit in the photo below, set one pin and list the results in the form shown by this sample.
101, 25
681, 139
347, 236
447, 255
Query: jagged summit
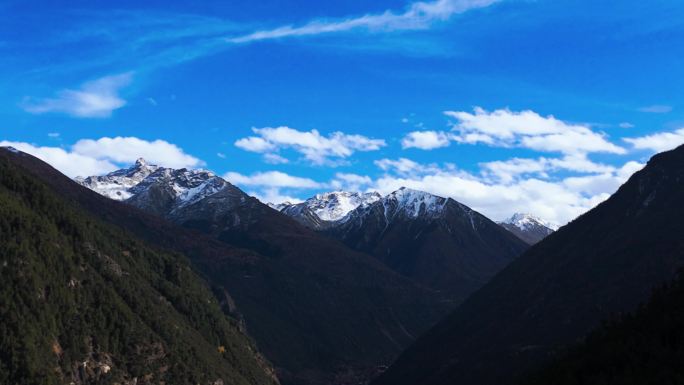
324, 209
527, 227
526, 220
413, 203
333, 208
434, 240
172, 188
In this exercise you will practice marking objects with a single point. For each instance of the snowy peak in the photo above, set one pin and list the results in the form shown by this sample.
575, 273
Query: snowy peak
413, 203
326, 209
528, 227
186, 186
117, 184
333, 206
525, 221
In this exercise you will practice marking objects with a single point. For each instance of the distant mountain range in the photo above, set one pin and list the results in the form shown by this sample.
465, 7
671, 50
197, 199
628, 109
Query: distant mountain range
436, 242
605, 262
172, 277
319, 310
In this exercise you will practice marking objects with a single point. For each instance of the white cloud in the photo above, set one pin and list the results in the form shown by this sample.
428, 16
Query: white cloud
425, 140
350, 182
255, 144
221, 155
53, 135
95, 99
505, 128
128, 149
273, 195
418, 15
658, 142
509, 170
405, 167
556, 201
69, 163
316, 148
275, 159
656, 109
626, 125
270, 179
96, 157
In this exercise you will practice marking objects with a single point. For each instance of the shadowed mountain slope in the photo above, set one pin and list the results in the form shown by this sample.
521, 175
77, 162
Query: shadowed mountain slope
436, 241
317, 310
607, 261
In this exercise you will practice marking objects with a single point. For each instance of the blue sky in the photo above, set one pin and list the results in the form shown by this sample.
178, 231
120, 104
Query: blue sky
505, 105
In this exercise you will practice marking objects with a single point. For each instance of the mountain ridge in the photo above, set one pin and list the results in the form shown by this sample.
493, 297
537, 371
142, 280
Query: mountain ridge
316, 308
607, 261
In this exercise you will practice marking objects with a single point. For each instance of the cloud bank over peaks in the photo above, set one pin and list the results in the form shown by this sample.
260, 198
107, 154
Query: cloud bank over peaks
100, 156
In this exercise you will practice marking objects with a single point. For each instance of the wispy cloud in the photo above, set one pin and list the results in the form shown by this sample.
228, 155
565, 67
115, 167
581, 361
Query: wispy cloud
94, 99
418, 15
656, 109
660, 141
316, 148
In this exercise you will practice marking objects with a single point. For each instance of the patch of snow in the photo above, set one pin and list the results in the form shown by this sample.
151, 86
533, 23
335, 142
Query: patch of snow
526, 222
188, 186
414, 203
335, 205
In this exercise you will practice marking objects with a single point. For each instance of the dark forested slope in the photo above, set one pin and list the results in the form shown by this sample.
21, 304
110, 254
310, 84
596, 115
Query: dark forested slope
82, 301
605, 262
641, 348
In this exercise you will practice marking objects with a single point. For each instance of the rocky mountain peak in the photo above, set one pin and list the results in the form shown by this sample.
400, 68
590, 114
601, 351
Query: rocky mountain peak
528, 227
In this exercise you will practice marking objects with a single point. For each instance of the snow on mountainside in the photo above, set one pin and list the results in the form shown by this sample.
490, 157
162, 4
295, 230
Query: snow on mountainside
321, 210
333, 206
528, 227
117, 184
186, 186
436, 241
413, 203
525, 221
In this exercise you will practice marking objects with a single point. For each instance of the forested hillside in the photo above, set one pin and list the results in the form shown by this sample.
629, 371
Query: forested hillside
84, 302
645, 347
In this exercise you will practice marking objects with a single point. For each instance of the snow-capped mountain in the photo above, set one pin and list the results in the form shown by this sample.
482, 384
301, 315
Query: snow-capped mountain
528, 227
322, 210
333, 206
117, 184
436, 241
164, 191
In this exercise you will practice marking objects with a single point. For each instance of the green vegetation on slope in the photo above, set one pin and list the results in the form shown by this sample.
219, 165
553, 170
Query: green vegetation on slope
82, 301
641, 348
